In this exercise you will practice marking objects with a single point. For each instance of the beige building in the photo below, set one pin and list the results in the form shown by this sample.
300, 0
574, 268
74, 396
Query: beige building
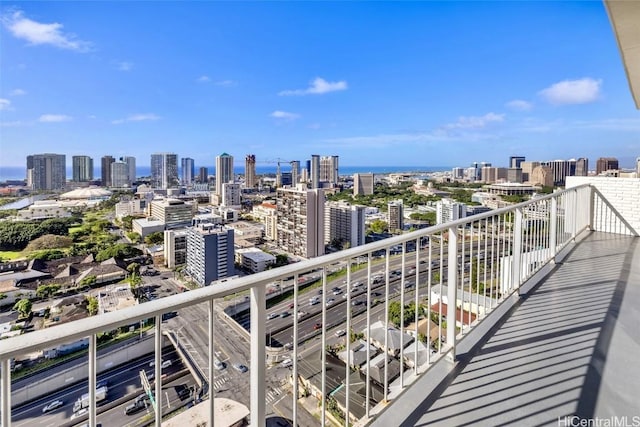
172, 212
267, 214
175, 248
300, 224
395, 215
363, 184
542, 175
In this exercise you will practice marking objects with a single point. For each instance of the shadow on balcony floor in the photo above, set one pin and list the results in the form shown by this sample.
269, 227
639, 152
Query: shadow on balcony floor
570, 348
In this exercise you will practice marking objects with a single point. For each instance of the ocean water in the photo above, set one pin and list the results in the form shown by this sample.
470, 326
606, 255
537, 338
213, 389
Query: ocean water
19, 173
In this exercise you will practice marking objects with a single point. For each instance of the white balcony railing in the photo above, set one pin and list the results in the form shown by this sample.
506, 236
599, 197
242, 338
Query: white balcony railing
468, 266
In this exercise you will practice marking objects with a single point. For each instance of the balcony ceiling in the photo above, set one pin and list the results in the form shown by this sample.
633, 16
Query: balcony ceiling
625, 18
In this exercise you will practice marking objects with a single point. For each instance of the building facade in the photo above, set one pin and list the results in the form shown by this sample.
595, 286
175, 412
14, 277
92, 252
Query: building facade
209, 253
329, 170
164, 170
231, 195
131, 166
267, 214
119, 175
448, 210
250, 180
105, 170
344, 223
606, 164
363, 184
395, 215
314, 171
82, 168
516, 161
542, 175
46, 171
188, 170
300, 229
224, 171
172, 212
175, 248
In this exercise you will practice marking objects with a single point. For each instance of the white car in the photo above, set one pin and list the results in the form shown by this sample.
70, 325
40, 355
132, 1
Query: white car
165, 364
81, 412
341, 332
52, 405
286, 363
272, 316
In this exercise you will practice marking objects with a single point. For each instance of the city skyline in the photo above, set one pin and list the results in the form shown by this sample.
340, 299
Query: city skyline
441, 85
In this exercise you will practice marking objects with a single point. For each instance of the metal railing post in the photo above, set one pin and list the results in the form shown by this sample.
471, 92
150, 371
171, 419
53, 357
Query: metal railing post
516, 258
158, 370
592, 210
258, 356
92, 380
212, 368
6, 392
574, 215
452, 285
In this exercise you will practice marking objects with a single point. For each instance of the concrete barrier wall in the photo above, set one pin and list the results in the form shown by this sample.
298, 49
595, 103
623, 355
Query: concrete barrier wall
78, 370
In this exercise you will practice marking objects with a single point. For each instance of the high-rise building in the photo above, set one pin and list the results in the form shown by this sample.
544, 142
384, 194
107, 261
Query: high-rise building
516, 161
46, 171
172, 212
164, 170
329, 170
344, 223
131, 166
175, 247
457, 173
231, 194
268, 215
582, 167
105, 170
514, 175
82, 168
395, 215
542, 175
606, 164
250, 171
209, 253
188, 170
363, 184
119, 174
300, 221
527, 169
203, 175
448, 210
224, 171
314, 173
295, 172
561, 169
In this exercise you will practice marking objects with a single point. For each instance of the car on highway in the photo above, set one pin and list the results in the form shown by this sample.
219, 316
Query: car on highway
314, 301
291, 305
341, 332
301, 313
134, 407
165, 363
240, 367
330, 301
272, 316
317, 326
337, 291
286, 363
55, 404
80, 413
285, 314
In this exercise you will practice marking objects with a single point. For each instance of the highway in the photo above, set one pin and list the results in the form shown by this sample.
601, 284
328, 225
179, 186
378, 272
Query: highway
123, 380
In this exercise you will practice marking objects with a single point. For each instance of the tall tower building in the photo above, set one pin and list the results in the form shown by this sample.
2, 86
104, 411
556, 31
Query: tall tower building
119, 174
449, 210
295, 172
516, 161
188, 170
250, 171
300, 228
131, 167
209, 253
46, 171
605, 164
329, 170
224, 171
363, 184
561, 169
527, 170
582, 166
82, 168
164, 170
314, 173
231, 194
105, 170
344, 222
395, 215
203, 175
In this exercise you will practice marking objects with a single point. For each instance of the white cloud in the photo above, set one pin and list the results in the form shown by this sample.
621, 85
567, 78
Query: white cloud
17, 92
137, 118
203, 79
54, 118
5, 104
226, 83
475, 122
283, 115
581, 91
317, 86
38, 33
519, 105
125, 66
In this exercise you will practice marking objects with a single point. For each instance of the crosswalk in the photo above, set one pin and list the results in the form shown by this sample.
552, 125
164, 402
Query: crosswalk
219, 382
274, 394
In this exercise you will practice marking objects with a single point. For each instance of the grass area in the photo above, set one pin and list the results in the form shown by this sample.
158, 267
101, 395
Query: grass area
11, 255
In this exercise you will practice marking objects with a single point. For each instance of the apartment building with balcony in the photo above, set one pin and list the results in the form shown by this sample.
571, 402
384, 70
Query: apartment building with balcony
345, 223
210, 253
300, 215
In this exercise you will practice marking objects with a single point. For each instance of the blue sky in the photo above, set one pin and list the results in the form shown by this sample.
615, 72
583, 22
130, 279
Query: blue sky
377, 83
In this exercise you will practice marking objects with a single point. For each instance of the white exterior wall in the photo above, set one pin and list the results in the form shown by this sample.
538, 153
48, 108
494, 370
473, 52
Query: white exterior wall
623, 194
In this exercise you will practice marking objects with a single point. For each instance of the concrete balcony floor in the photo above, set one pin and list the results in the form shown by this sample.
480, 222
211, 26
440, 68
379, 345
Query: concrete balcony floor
570, 347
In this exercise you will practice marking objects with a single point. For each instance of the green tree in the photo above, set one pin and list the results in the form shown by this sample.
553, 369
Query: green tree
23, 307
378, 226
119, 250
134, 237
154, 238
45, 291
127, 222
133, 268
88, 281
92, 305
